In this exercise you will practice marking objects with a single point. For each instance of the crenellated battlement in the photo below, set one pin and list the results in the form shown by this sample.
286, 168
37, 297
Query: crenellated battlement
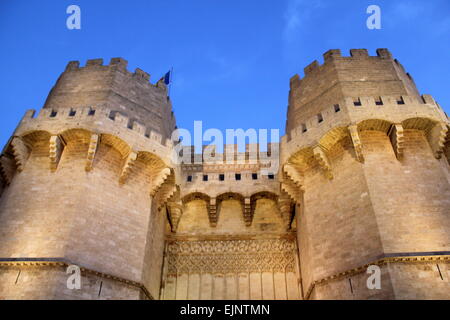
335, 55
354, 110
340, 77
231, 153
130, 93
116, 64
362, 173
99, 119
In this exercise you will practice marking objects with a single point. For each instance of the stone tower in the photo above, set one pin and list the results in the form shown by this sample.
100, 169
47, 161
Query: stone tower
363, 158
363, 180
83, 178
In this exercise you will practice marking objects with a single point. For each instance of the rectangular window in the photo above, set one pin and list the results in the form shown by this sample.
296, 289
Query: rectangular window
357, 102
91, 112
72, 113
254, 176
304, 129
221, 177
319, 118
400, 100
189, 178
337, 108
378, 101
271, 176
53, 114
237, 176
205, 177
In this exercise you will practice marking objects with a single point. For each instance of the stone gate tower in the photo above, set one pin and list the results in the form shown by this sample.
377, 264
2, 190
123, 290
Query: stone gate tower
366, 160
83, 178
363, 180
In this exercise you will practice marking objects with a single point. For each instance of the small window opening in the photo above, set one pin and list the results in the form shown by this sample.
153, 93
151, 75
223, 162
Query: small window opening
254, 176
53, 114
237, 176
319, 118
205, 177
221, 177
400, 100
189, 179
304, 129
357, 102
72, 113
337, 108
378, 101
271, 176
91, 112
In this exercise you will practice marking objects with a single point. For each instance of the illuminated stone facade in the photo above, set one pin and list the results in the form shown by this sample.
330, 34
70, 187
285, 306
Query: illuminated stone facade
363, 179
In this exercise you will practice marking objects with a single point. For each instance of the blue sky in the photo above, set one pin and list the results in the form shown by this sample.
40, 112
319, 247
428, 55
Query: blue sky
232, 60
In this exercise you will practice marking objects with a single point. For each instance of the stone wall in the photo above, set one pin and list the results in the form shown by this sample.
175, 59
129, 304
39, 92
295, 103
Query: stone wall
370, 179
361, 178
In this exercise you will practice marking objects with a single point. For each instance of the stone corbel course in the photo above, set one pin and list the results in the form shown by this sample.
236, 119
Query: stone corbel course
56, 148
175, 212
323, 161
353, 130
93, 143
7, 168
127, 166
395, 134
437, 136
21, 152
212, 212
248, 212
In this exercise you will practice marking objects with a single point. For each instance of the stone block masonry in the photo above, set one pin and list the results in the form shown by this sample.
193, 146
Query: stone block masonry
364, 179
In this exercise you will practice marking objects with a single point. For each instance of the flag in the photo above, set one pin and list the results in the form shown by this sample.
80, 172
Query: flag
168, 77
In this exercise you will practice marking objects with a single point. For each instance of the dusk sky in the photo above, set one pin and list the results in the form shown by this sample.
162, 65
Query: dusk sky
232, 60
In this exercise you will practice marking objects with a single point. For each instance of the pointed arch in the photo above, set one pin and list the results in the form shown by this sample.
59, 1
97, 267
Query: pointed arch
419, 123
329, 139
196, 196
36, 136
264, 195
375, 125
115, 142
79, 135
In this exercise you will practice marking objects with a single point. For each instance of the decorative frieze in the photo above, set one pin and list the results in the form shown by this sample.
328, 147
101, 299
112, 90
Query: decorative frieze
231, 256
